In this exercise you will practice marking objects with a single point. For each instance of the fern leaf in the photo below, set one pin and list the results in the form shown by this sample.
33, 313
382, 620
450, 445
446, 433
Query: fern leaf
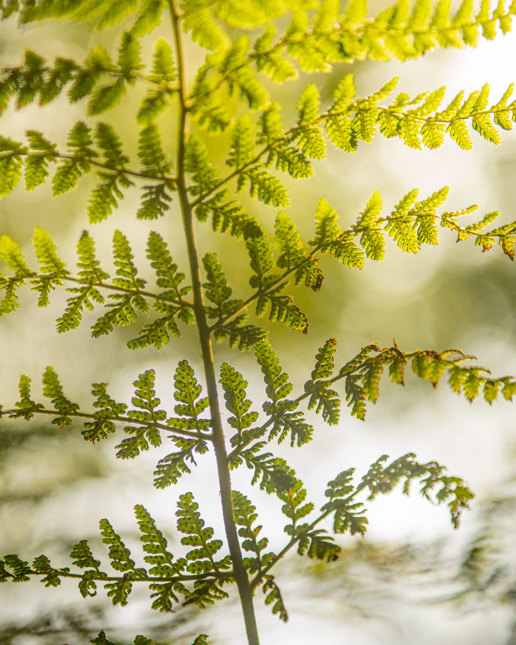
206, 31
295, 508
197, 165
294, 257
268, 188
155, 546
219, 293
322, 397
27, 407
245, 517
348, 514
168, 278
371, 238
273, 597
190, 523
189, 404
242, 143
121, 560
123, 306
163, 74
148, 17
107, 411
11, 164
146, 410
171, 467
151, 154
71, 169
53, 391
234, 387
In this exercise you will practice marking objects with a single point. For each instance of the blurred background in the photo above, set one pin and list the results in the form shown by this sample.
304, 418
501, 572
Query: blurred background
412, 579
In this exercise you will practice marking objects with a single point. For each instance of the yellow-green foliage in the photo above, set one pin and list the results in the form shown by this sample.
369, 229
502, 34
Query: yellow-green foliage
248, 46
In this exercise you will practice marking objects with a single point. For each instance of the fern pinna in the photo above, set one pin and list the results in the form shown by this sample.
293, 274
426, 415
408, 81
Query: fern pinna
230, 98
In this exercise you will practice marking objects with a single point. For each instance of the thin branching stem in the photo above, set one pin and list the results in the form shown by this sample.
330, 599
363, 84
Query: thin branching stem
98, 285
118, 419
241, 577
121, 171
219, 575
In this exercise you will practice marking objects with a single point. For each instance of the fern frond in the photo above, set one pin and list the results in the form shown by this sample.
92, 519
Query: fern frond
294, 256
234, 387
146, 409
190, 523
147, 13
411, 224
161, 560
284, 417
245, 517
169, 469
103, 152
10, 164
123, 305
51, 266
228, 215
52, 390
242, 143
434, 484
126, 293
363, 373
169, 302
168, 278
218, 292
121, 560
27, 407
190, 405
272, 473
322, 397
108, 410
205, 30
203, 174
163, 74
109, 95
269, 287
273, 597
295, 508
349, 120
168, 578
71, 169
399, 32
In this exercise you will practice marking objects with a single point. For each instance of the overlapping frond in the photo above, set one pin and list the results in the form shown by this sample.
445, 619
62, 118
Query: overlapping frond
411, 224
145, 14
421, 121
315, 41
348, 512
